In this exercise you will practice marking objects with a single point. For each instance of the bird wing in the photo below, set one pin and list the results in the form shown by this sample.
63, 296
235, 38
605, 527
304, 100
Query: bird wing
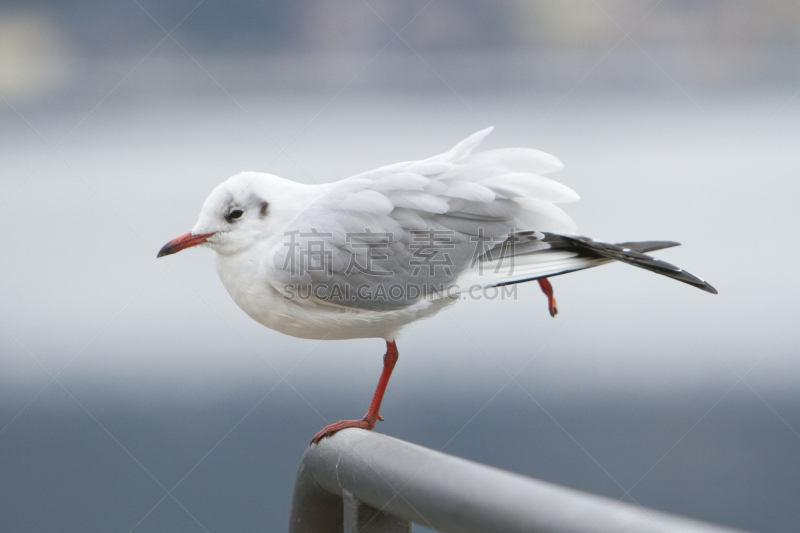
384, 238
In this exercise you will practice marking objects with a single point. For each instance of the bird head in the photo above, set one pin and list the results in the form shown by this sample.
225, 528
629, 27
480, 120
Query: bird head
233, 216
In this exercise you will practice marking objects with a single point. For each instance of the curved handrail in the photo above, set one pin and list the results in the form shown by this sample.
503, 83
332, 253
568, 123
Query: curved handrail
362, 481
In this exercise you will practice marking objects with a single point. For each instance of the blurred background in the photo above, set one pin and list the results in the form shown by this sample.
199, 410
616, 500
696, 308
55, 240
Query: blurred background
135, 395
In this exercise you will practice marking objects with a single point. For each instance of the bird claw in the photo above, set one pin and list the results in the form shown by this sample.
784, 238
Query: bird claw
327, 431
547, 289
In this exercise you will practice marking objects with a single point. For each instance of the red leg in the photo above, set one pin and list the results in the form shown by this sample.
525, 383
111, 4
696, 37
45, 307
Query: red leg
544, 283
373, 413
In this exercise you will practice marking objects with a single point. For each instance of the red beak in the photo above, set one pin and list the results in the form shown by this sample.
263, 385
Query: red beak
184, 241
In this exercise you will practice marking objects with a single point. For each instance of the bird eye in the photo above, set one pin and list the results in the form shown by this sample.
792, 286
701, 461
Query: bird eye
236, 213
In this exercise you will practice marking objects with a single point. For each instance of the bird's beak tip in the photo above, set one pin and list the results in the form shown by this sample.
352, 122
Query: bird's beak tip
165, 250
186, 240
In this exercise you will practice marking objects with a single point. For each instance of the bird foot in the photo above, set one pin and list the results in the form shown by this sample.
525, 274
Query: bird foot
327, 431
547, 289
551, 305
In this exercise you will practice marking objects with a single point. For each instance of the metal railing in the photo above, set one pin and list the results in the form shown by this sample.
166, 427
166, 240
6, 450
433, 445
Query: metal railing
360, 481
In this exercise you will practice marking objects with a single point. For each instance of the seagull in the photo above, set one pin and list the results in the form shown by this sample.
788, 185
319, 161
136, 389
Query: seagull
365, 256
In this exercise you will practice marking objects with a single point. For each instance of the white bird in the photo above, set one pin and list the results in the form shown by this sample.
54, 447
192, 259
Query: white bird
365, 256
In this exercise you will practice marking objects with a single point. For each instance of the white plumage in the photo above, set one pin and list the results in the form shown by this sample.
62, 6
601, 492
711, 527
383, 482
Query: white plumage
367, 255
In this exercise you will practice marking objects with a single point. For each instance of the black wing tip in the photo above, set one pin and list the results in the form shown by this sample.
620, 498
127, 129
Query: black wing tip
694, 281
708, 288
648, 246
681, 275
634, 253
